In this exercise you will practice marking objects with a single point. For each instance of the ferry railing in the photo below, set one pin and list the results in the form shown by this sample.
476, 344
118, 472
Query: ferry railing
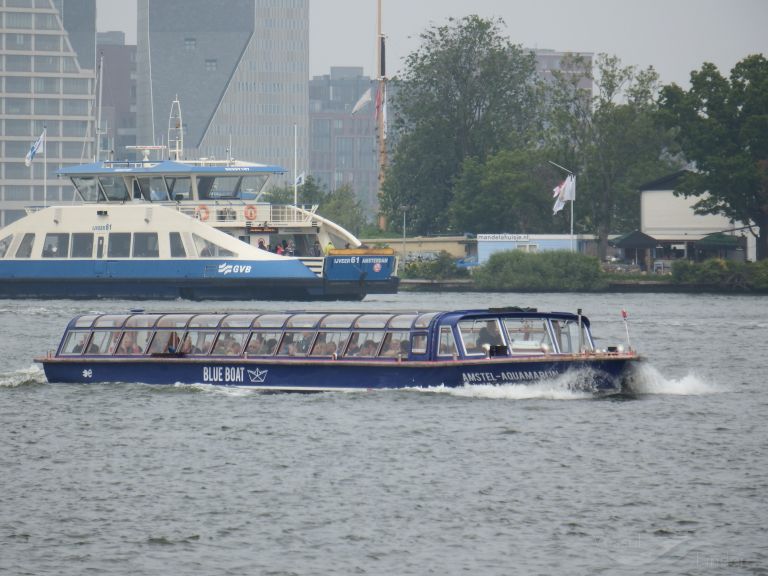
237, 214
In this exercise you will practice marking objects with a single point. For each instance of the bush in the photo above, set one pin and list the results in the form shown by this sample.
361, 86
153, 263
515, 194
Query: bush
550, 271
723, 274
441, 268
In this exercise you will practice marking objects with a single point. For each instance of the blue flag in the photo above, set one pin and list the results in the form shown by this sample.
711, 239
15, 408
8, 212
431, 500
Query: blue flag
39, 143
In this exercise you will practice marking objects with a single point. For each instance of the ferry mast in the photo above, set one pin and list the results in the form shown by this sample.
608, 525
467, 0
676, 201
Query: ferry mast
381, 95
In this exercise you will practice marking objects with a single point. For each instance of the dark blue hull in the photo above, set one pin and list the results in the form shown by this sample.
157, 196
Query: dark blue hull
603, 375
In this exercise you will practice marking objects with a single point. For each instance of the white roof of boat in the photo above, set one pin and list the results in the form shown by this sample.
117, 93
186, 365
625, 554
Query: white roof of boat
166, 167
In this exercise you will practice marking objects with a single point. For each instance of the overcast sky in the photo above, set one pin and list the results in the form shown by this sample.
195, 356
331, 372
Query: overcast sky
673, 36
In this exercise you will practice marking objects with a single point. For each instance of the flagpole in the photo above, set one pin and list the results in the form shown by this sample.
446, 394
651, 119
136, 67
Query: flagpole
572, 250
295, 163
45, 166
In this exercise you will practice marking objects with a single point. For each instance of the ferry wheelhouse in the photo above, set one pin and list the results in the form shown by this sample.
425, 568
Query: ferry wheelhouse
319, 351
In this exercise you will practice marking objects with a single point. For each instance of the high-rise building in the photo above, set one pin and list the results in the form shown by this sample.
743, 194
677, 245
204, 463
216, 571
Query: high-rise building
117, 96
342, 149
47, 77
240, 69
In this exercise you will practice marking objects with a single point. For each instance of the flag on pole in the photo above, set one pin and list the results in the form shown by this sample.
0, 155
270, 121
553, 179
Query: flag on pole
563, 192
300, 179
39, 143
364, 99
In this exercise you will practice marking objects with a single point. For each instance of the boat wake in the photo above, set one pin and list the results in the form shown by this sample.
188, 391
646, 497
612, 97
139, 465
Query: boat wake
648, 380
33, 375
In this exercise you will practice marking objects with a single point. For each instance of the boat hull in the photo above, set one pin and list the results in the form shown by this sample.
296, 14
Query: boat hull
604, 374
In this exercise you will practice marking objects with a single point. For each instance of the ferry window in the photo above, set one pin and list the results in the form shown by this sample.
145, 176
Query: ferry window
145, 245
218, 187
238, 320
205, 320
179, 188
4, 243
329, 343
207, 249
114, 188
271, 320
296, 343
142, 321
364, 344
82, 245
197, 342
75, 342
567, 336
475, 334
134, 342
103, 342
372, 320
396, 344
153, 188
447, 344
263, 343
174, 320
166, 342
229, 343
119, 245
424, 319
419, 343
402, 321
25, 247
303, 320
110, 320
177, 246
56, 246
338, 320
87, 187
527, 335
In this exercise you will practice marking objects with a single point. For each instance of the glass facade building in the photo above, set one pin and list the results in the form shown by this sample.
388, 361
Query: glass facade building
47, 82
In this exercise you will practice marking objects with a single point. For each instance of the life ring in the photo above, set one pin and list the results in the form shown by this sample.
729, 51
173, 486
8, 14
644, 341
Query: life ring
202, 212
250, 212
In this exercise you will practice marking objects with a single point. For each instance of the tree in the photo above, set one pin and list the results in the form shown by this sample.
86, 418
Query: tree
343, 208
505, 194
611, 139
466, 92
722, 127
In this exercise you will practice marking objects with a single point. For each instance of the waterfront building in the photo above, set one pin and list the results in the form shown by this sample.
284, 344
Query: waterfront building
118, 97
47, 81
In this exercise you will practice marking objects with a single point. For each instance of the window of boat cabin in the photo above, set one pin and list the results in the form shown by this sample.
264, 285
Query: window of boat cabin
303, 320
177, 246
338, 320
104, 342
87, 187
447, 343
364, 344
114, 188
402, 321
270, 320
134, 342
119, 245
229, 343
217, 187
142, 320
75, 342
110, 321
476, 333
419, 343
207, 249
528, 335
372, 320
152, 188
238, 320
85, 321
56, 245
174, 321
25, 246
4, 244
198, 342
396, 344
296, 343
82, 245
329, 343
205, 320
263, 343
179, 188
145, 245
166, 342
566, 334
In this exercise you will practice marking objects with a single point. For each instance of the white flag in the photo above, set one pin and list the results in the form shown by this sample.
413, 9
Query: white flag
364, 99
300, 179
39, 143
564, 192
570, 188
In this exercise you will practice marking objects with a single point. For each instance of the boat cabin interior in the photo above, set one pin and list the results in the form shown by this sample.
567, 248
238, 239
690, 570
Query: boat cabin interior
337, 335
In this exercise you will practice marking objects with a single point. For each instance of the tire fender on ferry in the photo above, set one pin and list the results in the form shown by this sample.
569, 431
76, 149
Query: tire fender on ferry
250, 212
202, 212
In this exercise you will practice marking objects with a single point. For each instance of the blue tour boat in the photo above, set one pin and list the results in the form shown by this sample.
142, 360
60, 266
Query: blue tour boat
339, 350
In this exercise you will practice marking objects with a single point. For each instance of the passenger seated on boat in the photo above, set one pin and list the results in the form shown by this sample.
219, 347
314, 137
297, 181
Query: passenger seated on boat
391, 349
256, 345
128, 345
269, 347
80, 346
368, 349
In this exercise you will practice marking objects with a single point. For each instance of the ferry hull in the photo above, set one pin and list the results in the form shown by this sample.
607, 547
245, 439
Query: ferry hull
605, 374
